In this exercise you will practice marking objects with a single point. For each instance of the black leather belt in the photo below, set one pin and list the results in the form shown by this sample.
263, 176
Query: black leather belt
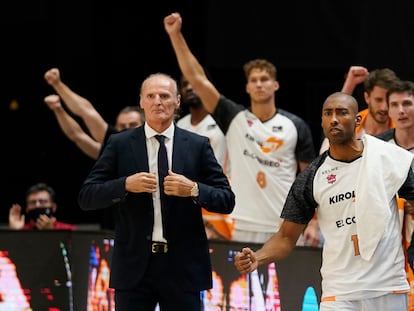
159, 247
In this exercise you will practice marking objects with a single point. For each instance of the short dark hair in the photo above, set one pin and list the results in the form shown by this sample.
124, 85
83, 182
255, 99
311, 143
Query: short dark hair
400, 86
41, 186
382, 77
138, 109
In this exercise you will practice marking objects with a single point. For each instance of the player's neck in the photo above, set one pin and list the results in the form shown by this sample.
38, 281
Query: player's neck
197, 115
264, 111
405, 138
373, 128
346, 152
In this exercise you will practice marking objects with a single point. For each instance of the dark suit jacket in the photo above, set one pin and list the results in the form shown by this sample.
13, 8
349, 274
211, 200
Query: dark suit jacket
188, 250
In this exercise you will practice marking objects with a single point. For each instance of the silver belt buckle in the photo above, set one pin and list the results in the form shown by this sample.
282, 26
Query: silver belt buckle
156, 244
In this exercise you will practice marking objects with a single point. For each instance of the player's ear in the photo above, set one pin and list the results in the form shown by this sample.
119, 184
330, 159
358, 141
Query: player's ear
358, 119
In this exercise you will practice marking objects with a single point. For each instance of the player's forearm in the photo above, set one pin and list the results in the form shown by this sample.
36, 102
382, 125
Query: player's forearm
281, 244
76, 103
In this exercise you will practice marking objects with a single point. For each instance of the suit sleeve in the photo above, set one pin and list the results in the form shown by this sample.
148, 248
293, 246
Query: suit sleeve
215, 193
102, 188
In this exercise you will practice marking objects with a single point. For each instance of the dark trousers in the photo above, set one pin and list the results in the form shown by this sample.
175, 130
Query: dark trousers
158, 286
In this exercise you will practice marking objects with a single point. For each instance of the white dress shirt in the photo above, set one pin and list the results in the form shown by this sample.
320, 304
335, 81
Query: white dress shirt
152, 148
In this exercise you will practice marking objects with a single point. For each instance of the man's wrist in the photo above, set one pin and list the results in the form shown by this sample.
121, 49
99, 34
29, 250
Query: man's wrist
194, 191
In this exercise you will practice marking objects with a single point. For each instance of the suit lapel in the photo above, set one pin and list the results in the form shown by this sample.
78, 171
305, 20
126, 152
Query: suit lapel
180, 150
139, 148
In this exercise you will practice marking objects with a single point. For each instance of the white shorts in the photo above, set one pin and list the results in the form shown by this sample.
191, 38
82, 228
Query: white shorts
389, 302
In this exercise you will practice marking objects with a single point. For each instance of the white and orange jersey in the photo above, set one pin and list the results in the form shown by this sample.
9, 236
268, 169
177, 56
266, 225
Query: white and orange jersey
345, 275
331, 188
264, 162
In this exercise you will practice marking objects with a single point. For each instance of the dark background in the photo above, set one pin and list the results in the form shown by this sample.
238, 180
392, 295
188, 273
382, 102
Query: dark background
105, 49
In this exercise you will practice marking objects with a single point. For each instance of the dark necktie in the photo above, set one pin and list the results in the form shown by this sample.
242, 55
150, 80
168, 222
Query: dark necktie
162, 173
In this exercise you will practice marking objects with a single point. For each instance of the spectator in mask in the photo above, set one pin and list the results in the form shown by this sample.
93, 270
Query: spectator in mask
39, 213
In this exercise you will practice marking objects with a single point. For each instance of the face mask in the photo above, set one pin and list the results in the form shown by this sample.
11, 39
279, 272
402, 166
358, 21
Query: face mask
36, 212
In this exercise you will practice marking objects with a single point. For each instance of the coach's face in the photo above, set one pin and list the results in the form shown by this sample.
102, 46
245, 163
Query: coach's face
159, 99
